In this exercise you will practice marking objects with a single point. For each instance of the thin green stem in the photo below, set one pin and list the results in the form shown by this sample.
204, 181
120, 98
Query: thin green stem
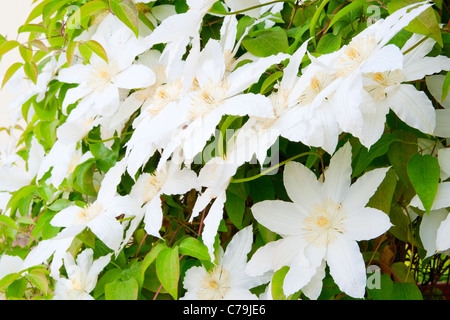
248, 9
273, 167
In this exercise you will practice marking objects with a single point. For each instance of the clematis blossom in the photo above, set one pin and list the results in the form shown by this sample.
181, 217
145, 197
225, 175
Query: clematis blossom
217, 93
435, 226
81, 276
367, 53
323, 224
100, 81
227, 279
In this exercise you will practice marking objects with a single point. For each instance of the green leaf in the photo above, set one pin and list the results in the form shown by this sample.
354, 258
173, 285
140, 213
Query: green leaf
277, 283
344, 11
366, 156
38, 279
328, 43
194, 248
32, 27
424, 172
122, 289
235, 203
445, 87
315, 18
105, 158
82, 178
21, 199
267, 42
151, 256
426, 23
406, 291
97, 49
384, 291
31, 70
382, 198
84, 13
8, 46
70, 51
10, 72
26, 53
168, 270
39, 45
16, 289
400, 152
126, 11
270, 81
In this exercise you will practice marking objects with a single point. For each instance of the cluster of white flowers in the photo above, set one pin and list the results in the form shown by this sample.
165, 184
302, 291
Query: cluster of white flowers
181, 98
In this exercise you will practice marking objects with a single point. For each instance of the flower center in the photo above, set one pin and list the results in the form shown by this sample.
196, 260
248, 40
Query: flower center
318, 82
206, 99
153, 185
323, 223
163, 95
355, 53
379, 83
102, 75
88, 213
214, 285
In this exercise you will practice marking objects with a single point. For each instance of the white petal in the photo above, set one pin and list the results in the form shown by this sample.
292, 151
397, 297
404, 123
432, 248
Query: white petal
347, 267
78, 73
107, 229
279, 216
387, 58
211, 222
442, 123
413, 107
298, 275
434, 85
426, 66
313, 289
275, 255
74, 94
363, 189
153, 217
10, 264
65, 217
444, 160
235, 256
338, 175
248, 104
291, 70
136, 76
442, 199
301, 185
374, 124
365, 224
243, 77
429, 229
107, 101
180, 182
443, 235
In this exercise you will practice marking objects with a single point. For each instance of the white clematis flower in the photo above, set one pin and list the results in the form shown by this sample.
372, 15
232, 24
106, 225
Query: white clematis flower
100, 81
367, 53
435, 226
14, 176
324, 222
81, 276
227, 279
171, 180
217, 93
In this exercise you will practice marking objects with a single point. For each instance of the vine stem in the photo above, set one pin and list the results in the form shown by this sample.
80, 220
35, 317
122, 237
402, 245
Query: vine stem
274, 167
248, 9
